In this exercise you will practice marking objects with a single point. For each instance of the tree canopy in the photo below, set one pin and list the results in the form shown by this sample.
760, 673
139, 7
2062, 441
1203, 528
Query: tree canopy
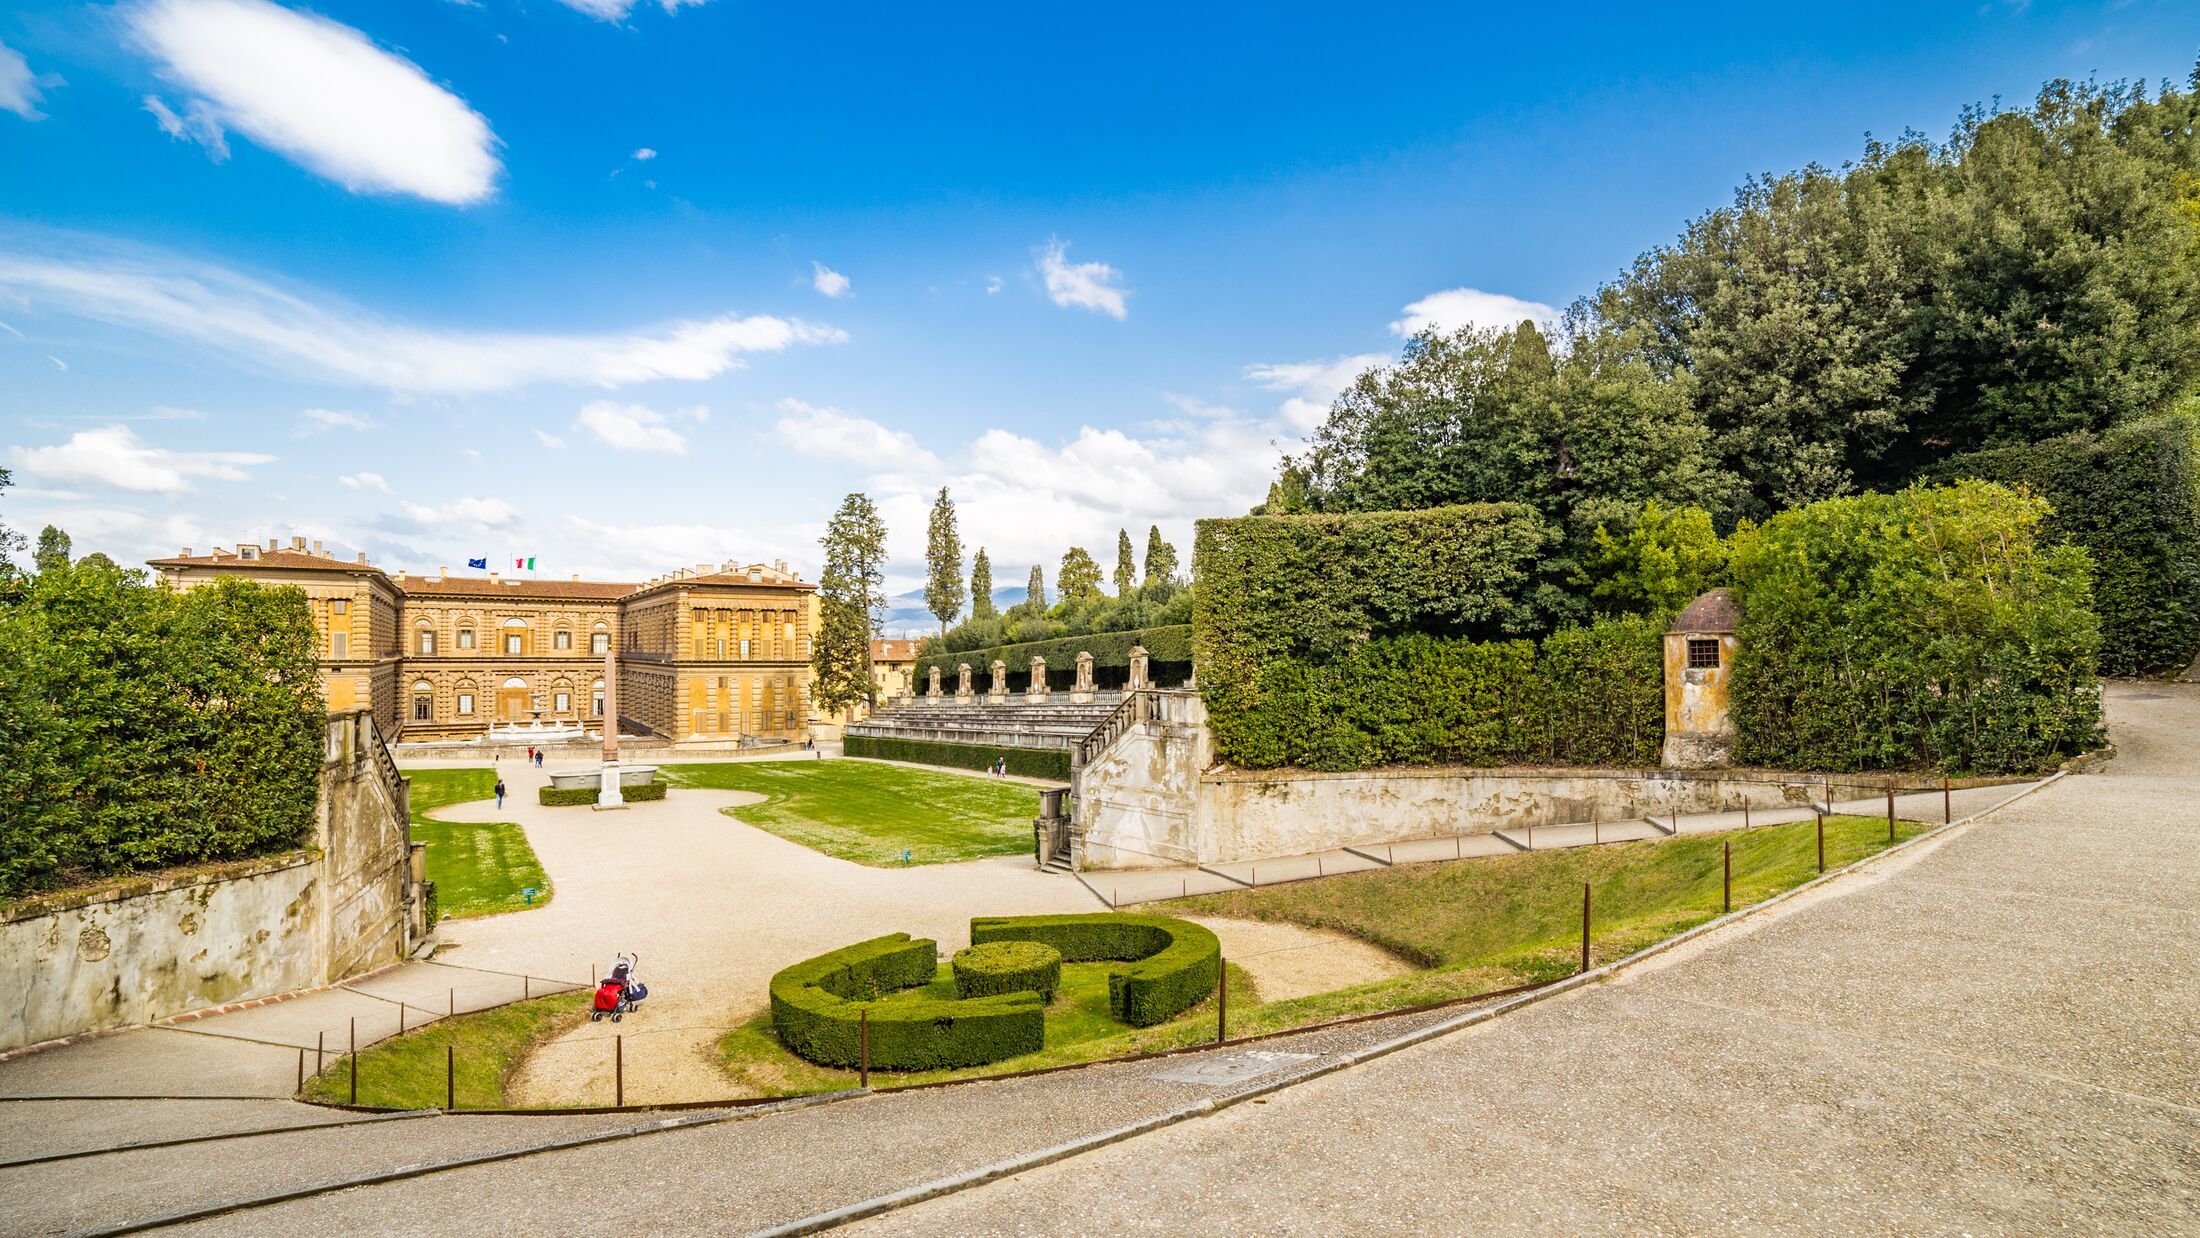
851, 599
943, 586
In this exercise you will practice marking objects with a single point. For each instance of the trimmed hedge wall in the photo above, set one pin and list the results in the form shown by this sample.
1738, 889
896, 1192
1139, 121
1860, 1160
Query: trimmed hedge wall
1932, 627
1163, 645
1026, 762
2131, 497
1587, 696
1174, 964
994, 967
565, 797
817, 1007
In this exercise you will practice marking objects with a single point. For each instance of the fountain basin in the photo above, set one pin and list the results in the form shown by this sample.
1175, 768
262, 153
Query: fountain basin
629, 776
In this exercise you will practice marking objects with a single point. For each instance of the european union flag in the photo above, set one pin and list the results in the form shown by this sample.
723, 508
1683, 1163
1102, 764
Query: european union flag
480, 563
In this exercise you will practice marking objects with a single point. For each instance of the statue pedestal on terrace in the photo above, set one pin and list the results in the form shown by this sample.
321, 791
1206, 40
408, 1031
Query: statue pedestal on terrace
962, 682
998, 693
1036, 690
1081, 692
932, 683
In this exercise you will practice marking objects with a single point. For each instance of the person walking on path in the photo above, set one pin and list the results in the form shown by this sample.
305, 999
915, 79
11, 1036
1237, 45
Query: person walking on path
500, 795
538, 758
530, 754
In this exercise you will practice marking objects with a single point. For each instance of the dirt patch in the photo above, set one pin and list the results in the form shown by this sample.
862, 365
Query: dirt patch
1289, 960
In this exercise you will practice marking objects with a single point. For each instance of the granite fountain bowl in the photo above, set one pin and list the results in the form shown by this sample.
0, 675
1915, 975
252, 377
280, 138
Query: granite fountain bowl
629, 776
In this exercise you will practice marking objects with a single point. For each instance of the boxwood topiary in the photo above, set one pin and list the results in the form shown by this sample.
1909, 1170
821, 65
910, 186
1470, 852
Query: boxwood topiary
1174, 964
818, 1007
566, 797
994, 967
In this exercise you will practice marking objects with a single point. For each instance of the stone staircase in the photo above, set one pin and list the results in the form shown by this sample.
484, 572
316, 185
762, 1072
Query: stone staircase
1054, 722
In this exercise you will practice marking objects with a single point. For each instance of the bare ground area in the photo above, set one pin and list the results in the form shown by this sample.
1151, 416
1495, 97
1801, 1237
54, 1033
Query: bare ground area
1289, 960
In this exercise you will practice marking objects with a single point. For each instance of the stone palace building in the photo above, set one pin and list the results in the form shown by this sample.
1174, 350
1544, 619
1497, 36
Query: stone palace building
716, 654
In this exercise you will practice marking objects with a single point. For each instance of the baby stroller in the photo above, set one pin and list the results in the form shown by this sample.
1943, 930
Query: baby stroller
619, 992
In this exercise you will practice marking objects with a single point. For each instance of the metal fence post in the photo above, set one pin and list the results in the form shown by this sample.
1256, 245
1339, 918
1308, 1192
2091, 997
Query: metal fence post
1584, 926
454, 1003
1947, 806
301, 1068
1222, 1000
863, 1044
400, 1018
618, 1070
450, 1077
1821, 843
1727, 897
355, 1059
319, 1038
1890, 810
526, 987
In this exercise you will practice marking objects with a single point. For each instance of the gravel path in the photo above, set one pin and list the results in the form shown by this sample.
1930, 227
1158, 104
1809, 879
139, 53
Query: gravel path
1290, 960
713, 907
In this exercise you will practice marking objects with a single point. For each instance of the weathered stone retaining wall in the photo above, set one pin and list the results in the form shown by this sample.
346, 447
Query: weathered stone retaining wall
149, 947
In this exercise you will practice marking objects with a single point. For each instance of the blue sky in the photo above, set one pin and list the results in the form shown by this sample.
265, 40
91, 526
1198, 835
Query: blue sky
399, 276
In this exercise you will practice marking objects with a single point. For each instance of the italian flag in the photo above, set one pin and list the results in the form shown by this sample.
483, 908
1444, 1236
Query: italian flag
526, 565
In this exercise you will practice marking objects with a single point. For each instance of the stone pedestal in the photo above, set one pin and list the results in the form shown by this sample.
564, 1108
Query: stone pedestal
608, 797
932, 683
1036, 690
1140, 680
1082, 691
998, 692
962, 682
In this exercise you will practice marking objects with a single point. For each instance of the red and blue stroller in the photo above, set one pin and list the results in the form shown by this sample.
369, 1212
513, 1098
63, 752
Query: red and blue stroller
619, 992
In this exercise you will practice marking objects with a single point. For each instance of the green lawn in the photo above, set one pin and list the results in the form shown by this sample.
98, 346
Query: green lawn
409, 1071
478, 870
871, 813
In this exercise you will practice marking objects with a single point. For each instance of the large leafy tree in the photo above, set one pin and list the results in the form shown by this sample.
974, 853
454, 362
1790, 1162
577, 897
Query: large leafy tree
10, 540
1078, 581
943, 586
1126, 565
851, 599
1160, 559
981, 588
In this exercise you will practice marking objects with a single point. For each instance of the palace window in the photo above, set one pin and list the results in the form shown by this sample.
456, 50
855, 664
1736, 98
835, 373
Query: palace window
427, 640
564, 703
339, 645
465, 638
465, 704
1703, 654
339, 606
423, 702
563, 639
744, 649
515, 642
600, 643
596, 706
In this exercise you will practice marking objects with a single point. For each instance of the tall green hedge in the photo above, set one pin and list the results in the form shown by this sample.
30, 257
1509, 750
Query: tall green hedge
1173, 964
1163, 645
141, 727
1936, 626
1024, 762
2131, 497
1311, 588
1587, 696
818, 1007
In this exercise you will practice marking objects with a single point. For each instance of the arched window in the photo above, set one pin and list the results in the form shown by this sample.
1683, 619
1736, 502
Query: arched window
424, 698
515, 636
561, 639
466, 636
599, 641
425, 638
595, 710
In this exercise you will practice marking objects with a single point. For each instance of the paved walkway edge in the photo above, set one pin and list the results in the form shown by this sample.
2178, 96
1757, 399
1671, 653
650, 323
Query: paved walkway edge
1047, 1156
425, 1168
404, 1115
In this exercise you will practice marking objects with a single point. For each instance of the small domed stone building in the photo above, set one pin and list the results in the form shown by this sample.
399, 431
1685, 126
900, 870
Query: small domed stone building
1699, 655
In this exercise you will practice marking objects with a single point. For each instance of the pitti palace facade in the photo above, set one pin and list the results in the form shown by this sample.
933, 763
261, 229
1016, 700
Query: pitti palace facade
710, 654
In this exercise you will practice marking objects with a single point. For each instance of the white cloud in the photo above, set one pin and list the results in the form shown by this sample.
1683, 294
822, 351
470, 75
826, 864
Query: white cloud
645, 154
993, 284
549, 440
322, 94
631, 427
1459, 307
830, 434
828, 281
1085, 285
640, 551
325, 339
472, 513
1314, 384
63, 366
115, 456
319, 419
366, 481
19, 92
616, 10
197, 124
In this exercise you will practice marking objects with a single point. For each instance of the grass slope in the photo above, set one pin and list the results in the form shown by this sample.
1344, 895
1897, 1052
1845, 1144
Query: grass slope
478, 870
871, 813
408, 1071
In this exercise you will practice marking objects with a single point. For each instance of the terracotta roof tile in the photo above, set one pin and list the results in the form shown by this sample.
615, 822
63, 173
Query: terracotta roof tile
281, 560
482, 586
1713, 612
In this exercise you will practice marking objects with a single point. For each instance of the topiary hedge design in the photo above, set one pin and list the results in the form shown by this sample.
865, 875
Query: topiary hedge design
1174, 964
1008, 967
564, 797
818, 1007
1025, 762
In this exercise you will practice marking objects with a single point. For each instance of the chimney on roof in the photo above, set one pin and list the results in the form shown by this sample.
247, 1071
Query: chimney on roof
362, 556
443, 573
297, 543
492, 578
576, 577
781, 564
186, 553
317, 551
702, 569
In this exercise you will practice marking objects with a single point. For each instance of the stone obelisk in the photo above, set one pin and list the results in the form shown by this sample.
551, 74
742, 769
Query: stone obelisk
607, 794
